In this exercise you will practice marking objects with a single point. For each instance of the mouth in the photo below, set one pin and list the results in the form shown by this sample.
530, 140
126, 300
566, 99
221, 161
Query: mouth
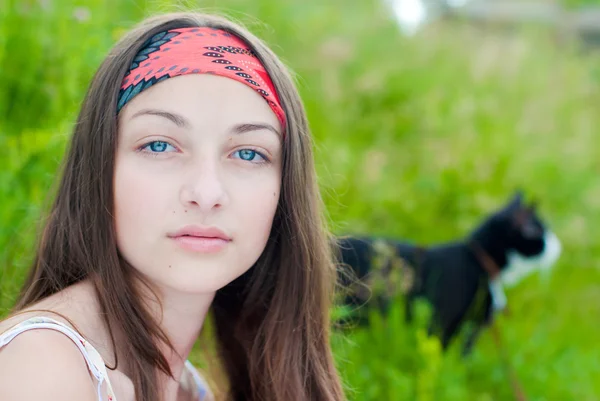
201, 244
201, 239
520, 267
201, 232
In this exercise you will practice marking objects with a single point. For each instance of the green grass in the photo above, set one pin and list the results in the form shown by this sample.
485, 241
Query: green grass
416, 138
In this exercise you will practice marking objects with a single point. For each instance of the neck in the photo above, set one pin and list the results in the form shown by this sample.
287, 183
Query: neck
485, 260
491, 245
181, 317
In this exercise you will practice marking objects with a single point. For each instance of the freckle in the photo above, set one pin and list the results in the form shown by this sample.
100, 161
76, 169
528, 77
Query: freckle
169, 266
186, 211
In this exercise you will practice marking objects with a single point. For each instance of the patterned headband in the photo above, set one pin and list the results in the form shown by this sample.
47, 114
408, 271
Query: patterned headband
198, 51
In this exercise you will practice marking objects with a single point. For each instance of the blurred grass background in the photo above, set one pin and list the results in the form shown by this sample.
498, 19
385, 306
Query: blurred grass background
416, 137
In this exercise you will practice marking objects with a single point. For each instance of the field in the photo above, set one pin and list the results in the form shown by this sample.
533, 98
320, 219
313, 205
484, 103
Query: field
417, 138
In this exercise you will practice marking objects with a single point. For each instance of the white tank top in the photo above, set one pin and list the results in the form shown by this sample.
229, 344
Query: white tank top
93, 359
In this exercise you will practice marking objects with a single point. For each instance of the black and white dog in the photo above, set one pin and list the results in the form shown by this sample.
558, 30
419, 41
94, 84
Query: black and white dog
462, 280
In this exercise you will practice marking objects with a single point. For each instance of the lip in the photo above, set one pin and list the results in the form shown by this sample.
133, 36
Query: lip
200, 231
200, 239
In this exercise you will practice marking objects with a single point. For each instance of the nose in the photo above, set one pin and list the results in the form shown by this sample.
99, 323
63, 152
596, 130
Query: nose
204, 187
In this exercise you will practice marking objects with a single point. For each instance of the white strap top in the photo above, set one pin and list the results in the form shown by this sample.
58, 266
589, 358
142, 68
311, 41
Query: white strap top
93, 359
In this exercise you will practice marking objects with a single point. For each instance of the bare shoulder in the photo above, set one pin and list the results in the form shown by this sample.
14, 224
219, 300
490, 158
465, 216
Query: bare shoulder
10, 321
44, 364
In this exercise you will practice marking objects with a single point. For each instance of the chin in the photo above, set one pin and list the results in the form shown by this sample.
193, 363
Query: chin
201, 280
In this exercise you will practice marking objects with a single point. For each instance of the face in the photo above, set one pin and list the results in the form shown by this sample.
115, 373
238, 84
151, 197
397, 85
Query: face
533, 246
197, 181
527, 231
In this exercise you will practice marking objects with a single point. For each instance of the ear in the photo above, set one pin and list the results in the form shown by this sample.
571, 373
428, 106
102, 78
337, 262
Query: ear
517, 199
533, 204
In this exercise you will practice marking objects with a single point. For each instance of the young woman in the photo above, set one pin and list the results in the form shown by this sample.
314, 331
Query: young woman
188, 191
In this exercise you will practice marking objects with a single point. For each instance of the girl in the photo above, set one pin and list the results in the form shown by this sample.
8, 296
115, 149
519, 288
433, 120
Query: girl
188, 191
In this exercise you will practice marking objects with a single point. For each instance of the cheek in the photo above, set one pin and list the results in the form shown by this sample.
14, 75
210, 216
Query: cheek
256, 204
139, 203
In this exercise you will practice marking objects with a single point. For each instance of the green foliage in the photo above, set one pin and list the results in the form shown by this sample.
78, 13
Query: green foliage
415, 138
580, 4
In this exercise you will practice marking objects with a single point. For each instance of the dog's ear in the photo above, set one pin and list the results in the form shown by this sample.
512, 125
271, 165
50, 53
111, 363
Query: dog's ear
533, 205
517, 198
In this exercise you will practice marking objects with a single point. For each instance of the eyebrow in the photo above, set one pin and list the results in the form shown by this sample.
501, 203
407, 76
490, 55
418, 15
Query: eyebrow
242, 128
178, 120
182, 122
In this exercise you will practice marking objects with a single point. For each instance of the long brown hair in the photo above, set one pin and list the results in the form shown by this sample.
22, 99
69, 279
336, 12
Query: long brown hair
272, 323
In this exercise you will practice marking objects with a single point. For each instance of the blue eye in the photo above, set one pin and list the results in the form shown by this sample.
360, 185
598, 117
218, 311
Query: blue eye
250, 155
157, 147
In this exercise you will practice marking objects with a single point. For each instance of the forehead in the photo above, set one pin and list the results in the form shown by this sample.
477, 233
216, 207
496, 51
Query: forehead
204, 100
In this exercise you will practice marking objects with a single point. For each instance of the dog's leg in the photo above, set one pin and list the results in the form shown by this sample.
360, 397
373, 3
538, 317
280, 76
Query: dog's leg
467, 302
408, 307
482, 318
449, 331
470, 340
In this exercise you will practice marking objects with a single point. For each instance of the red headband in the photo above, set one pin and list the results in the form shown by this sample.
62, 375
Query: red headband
198, 51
